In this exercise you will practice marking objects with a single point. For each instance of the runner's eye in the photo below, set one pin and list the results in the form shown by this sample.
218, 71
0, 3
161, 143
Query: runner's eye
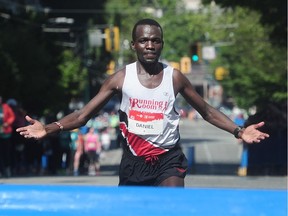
143, 41
157, 41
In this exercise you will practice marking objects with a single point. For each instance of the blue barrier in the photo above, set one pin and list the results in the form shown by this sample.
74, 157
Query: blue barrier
189, 152
30, 200
242, 171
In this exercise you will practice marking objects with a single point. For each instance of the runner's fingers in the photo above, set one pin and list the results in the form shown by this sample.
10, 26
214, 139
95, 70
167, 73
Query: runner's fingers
20, 129
30, 137
25, 134
260, 138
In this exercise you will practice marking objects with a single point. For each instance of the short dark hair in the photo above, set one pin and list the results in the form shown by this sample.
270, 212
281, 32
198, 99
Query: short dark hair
146, 21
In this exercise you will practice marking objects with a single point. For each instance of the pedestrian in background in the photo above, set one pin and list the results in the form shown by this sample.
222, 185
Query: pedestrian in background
64, 153
105, 139
93, 149
149, 123
7, 117
77, 146
18, 156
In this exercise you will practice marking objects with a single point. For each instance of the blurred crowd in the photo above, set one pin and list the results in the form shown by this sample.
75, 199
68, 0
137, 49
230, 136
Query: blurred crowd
75, 152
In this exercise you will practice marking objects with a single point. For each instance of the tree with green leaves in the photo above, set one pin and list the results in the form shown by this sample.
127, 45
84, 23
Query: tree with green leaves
27, 66
37, 72
73, 74
254, 63
272, 14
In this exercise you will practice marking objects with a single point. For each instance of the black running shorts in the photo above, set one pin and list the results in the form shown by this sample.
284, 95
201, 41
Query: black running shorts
138, 171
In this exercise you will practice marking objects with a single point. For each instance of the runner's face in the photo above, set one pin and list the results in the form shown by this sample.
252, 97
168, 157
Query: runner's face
148, 43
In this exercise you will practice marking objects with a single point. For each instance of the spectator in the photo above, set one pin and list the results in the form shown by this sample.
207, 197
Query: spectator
7, 117
105, 139
18, 156
239, 119
93, 150
65, 151
76, 149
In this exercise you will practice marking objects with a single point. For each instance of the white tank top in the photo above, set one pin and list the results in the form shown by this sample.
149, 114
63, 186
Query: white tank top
148, 120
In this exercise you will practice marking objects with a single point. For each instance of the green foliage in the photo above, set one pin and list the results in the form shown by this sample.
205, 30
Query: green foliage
257, 67
73, 75
273, 13
35, 73
180, 34
27, 67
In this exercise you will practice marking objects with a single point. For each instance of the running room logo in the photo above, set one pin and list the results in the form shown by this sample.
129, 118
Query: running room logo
148, 104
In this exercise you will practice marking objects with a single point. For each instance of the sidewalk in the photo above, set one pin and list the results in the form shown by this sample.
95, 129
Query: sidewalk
191, 181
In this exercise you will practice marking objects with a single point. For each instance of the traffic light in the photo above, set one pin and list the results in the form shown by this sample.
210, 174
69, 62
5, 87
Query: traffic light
221, 73
110, 67
185, 65
196, 52
116, 38
175, 65
112, 39
107, 39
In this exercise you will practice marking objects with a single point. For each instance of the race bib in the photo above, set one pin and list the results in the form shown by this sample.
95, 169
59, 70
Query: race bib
145, 123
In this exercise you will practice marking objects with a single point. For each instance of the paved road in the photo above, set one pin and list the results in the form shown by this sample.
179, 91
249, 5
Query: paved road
191, 181
216, 152
216, 160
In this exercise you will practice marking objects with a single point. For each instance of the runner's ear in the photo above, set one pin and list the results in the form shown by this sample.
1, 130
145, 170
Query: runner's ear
132, 44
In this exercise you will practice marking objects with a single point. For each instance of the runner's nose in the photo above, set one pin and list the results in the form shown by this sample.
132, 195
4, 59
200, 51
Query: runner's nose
150, 44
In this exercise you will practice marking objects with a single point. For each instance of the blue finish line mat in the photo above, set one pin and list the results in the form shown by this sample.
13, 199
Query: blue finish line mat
30, 200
